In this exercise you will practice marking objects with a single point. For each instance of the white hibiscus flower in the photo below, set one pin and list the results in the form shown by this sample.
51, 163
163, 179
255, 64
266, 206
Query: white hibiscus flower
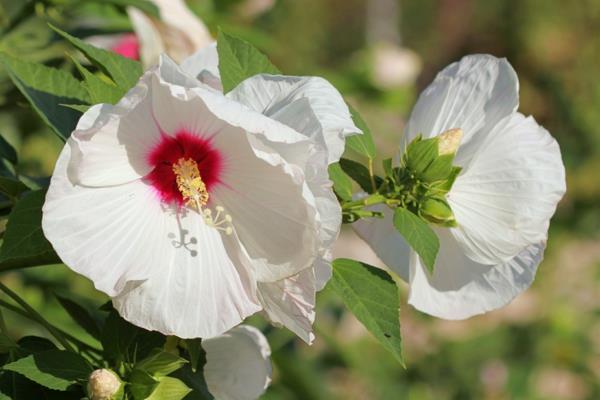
510, 184
238, 364
183, 204
312, 107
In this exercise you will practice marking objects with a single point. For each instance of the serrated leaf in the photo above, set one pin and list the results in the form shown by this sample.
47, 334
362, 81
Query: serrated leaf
362, 144
418, 234
239, 60
123, 71
372, 296
160, 363
24, 242
7, 151
360, 174
341, 183
169, 388
12, 187
80, 315
54, 369
46, 89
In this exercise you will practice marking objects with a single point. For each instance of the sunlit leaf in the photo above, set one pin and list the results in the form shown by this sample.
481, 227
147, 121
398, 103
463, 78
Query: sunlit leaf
418, 234
341, 183
362, 144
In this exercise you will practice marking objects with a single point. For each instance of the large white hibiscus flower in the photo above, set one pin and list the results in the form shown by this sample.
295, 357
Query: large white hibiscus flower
180, 202
312, 107
238, 364
510, 184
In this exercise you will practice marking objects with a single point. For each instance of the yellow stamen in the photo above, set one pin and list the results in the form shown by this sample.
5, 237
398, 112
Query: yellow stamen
189, 183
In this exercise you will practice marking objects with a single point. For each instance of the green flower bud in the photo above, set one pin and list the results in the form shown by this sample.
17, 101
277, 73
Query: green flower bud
437, 210
104, 384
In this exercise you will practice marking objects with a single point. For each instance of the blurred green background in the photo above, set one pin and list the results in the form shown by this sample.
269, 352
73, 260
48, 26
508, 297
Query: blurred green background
381, 54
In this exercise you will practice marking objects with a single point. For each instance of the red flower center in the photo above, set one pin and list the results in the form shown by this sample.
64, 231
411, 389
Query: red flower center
187, 146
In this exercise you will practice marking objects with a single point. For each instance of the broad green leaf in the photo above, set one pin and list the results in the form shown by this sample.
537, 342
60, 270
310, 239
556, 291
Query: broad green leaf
12, 187
160, 363
54, 369
46, 89
360, 174
141, 384
169, 388
24, 242
81, 316
7, 151
362, 144
77, 107
418, 234
124, 71
35, 344
341, 183
239, 60
372, 296
99, 90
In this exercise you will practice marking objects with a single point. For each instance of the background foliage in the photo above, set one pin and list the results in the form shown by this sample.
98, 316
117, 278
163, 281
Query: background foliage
546, 345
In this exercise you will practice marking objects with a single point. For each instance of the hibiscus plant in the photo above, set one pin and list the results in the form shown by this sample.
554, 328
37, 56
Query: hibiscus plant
199, 193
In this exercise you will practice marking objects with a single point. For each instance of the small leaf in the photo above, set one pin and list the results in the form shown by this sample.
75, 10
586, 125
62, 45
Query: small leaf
195, 350
420, 153
360, 174
362, 144
440, 169
24, 242
239, 60
46, 89
372, 296
99, 90
80, 315
169, 389
123, 71
141, 384
12, 187
341, 183
7, 151
160, 363
54, 369
418, 234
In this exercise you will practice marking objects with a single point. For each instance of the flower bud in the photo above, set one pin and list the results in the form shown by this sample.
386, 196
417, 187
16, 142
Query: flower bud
449, 141
103, 384
438, 211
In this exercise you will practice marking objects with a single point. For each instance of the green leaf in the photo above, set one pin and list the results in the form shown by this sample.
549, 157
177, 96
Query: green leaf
7, 151
362, 144
46, 89
141, 384
77, 107
372, 296
440, 169
12, 187
360, 174
420, 153
160, 363
99, 90
54, 369
418, 234
123, 71
144, 5
169, 389
195, 350
80, 315
239, 60
24, 242
341, 183
6, 343
195, 380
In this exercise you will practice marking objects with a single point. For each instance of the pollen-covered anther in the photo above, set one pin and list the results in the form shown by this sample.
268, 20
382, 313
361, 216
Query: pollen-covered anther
449, 141
220, 220
190, 184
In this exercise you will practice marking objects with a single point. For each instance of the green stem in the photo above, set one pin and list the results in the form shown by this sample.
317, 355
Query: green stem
37, 317
371, 200
372, 175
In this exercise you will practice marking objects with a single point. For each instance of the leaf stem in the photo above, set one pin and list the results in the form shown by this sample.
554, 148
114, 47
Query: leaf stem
372, 175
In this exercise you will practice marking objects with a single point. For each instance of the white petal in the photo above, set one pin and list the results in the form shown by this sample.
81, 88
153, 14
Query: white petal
238, 365
386, 242
473, 94
111, 146
323, 270
310, 105
461, 288
291, 303
505, 197
131, 246
148, 34
204, 66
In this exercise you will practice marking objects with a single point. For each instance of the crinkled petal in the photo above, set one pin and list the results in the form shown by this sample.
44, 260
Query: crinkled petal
509, 192
148, 34
238, 365
291, 303
381, 235
461, 288
295, 101
473, 94
204, 66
